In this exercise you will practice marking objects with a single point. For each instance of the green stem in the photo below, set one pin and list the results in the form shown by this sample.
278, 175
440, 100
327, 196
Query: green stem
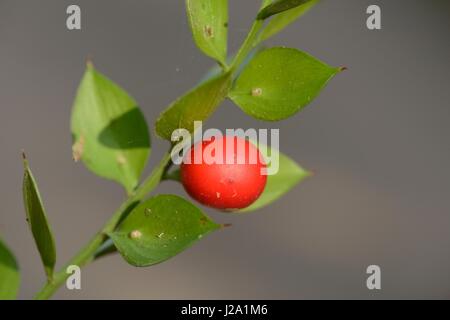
153, 179
250, 41
248, 45
86, 254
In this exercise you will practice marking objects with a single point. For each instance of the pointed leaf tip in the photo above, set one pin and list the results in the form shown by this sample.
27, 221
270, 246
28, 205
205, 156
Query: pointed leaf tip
89, 62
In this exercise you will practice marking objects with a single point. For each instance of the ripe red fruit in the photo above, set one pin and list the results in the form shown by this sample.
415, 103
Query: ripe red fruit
222, 185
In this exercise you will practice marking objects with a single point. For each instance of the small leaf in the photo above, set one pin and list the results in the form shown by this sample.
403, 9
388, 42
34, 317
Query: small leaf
283, 19
289, 174
278, 7
209, 24
37, 220
9, 274
159, 229
197, 105
279, 82
173, 175
110, 132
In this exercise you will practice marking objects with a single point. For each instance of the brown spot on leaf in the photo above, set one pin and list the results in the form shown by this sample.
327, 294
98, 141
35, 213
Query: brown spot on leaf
78, 148
208, 30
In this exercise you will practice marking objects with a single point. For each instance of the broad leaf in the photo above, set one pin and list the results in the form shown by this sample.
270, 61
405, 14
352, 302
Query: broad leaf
289, 174
278, 82
9, 274
197, 105
37, 220
159, 229
209, 24
109, 130
281, 20
278, 7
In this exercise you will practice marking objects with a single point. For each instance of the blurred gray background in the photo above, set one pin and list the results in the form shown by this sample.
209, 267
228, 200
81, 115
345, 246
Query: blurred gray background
377, 138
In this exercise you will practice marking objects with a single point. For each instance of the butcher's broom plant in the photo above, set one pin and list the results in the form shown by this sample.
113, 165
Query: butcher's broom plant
111, 137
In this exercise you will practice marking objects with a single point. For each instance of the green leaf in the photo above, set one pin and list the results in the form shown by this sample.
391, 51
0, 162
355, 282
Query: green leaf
278, 82
278, 7
280, 21
159, 229
209, 24
216, 70
173, 175
289, 174
197, 105
37, 220
109, 130
9, 274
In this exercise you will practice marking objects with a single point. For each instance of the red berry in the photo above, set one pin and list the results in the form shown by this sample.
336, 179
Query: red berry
222, 185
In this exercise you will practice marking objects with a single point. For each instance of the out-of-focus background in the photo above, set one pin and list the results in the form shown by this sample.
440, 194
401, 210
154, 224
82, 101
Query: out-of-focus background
377, 138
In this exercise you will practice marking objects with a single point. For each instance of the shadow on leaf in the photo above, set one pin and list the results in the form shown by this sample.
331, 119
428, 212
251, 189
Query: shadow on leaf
129, 131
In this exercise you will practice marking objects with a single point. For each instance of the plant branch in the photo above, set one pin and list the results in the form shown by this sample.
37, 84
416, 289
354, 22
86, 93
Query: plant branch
87, 253
250, 41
